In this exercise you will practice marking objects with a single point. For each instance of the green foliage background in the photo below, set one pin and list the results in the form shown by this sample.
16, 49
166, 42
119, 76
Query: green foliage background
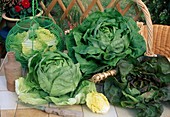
159, 10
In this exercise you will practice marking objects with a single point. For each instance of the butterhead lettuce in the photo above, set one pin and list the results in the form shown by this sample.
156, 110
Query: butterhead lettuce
102, 40
53, 77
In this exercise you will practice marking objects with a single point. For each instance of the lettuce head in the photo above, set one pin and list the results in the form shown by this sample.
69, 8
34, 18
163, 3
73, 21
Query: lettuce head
36, 39
53, 77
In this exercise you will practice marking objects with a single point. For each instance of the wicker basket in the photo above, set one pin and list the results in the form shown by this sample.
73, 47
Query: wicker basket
161, 39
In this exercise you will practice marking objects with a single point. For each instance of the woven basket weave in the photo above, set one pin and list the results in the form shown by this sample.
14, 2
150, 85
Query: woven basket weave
161, 39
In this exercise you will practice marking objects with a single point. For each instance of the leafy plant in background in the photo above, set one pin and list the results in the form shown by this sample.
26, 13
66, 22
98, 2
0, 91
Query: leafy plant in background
74, 14
57, 12
159, 10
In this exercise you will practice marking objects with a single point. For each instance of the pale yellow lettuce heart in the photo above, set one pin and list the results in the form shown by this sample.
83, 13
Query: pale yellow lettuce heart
97, 102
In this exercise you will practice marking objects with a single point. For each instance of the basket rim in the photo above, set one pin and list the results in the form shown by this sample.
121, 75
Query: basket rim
17, 19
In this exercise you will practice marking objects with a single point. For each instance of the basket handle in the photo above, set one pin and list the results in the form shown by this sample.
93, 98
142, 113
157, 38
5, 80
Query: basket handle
149, 40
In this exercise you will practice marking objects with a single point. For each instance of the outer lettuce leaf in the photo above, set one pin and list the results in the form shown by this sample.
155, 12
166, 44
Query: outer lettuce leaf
21, 86
84, 88
76, 97
32, 98
28, 94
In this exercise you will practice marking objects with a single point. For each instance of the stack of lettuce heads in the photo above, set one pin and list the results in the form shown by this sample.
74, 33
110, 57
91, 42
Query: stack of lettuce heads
52, 76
